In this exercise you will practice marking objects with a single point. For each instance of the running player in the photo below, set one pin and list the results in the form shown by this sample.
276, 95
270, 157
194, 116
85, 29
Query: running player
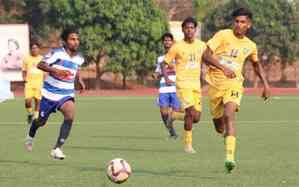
33, 78
168, 101
58, 91
231, 48
188, 57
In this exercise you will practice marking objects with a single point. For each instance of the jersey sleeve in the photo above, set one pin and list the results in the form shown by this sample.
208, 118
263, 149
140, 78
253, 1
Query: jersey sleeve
215, 41
50, 57
158, 65
254, 55
171, 55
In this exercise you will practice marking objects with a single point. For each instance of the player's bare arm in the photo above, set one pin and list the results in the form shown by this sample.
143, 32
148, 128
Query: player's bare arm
164, 73
258, 69
210, 59
24, 75
54, 71
80, 81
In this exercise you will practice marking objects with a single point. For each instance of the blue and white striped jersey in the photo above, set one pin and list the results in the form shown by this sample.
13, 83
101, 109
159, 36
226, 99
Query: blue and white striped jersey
171, 75
55, 88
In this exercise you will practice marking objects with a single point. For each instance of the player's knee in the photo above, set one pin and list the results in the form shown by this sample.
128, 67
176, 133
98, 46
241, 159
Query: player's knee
195, 119
28, 104
188, 127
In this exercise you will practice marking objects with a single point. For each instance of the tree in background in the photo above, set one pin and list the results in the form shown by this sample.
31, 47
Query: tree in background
127, 31
276, 26
203, 7
10, 11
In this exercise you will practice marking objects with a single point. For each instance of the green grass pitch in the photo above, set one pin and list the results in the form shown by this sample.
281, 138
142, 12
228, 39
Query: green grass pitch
130, 128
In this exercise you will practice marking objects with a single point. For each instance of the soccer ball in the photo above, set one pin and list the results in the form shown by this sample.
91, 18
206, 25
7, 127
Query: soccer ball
118, 170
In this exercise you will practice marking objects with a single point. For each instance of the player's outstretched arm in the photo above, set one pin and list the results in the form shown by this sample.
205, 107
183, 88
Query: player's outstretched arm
58, 73
259, 71
164, 73
210, 59
80, 81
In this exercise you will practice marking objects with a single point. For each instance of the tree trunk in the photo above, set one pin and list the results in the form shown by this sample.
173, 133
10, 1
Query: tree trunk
283, 67
98, 76
100, 63
124, 81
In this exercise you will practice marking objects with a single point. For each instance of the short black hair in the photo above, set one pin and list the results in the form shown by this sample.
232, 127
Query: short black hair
242, 12
167, 35
66, 32
189, 20
34, 42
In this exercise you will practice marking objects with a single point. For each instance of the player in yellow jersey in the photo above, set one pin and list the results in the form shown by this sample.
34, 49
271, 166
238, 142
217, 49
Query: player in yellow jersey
231, 48
33, 78
188, 57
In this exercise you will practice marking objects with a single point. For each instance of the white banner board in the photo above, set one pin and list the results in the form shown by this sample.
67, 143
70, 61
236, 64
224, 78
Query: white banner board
14, 44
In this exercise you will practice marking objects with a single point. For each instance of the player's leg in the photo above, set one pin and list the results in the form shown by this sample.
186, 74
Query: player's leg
46, 108
216, 108
219, 125
231, 102
68, 111
164, 103
37, 99
28, 103
177, 112
230, 134
191, 104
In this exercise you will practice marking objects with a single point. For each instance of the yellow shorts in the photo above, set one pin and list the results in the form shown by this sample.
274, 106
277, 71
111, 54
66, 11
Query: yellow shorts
217, 99
189, 97
32, 93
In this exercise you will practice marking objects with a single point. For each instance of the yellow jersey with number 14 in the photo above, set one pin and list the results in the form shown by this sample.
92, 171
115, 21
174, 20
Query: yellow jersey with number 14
188, 58
231, 52
34, 77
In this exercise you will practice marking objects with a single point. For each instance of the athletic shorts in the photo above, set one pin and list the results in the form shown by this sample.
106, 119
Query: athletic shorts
30, 92
49, 106
169, 100
190, 97
217, 99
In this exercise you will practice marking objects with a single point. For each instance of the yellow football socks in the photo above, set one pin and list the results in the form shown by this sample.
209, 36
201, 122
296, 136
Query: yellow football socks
178, 115
230, 146
188, 138
29, 111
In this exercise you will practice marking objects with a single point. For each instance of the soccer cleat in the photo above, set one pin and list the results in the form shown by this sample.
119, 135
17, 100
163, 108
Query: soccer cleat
189, 149
229, 165
57, 154
29, 143
29, 118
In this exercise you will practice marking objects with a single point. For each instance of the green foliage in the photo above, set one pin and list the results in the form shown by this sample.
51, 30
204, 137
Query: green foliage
203, 7
10, 10
276, 25
127, 30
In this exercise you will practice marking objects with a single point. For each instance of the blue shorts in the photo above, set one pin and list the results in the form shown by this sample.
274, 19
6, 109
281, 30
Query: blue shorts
48, 106
169, 100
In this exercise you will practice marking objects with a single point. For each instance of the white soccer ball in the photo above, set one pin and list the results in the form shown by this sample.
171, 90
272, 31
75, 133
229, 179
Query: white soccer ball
118, 170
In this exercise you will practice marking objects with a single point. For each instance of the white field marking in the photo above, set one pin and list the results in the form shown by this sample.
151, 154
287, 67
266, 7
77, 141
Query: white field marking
150, 122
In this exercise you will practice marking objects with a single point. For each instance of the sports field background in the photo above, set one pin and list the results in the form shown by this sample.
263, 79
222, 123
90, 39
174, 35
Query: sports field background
130, 128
